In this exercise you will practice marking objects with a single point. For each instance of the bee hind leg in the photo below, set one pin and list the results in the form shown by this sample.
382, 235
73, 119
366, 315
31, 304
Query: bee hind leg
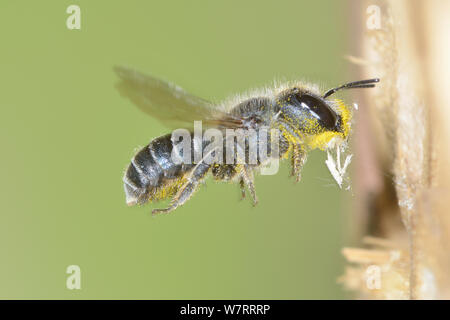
246, 175
298, 160
187, 189
180, 198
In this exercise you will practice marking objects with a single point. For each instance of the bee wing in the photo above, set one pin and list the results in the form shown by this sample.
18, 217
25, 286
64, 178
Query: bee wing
169, 103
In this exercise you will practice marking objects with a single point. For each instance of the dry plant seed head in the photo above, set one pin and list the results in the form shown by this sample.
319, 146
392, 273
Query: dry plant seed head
409, 127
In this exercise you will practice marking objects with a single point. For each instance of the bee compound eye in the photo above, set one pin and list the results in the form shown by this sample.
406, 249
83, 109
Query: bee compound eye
319, 110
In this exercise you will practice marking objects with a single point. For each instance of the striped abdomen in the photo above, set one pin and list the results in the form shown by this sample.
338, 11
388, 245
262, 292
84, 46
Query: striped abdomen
152, 175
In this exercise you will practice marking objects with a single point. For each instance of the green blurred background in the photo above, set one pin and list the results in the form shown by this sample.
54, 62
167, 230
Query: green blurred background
67, 136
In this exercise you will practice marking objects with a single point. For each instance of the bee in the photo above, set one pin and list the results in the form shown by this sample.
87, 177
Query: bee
306, 119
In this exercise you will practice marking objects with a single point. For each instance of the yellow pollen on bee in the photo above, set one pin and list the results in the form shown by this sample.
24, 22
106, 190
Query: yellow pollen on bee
167, 190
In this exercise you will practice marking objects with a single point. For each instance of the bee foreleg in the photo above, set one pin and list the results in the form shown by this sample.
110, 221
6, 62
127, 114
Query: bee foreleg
298, 160
187, 189
246, 176
298, 152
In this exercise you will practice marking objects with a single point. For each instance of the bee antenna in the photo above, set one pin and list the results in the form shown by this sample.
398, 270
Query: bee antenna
370, 83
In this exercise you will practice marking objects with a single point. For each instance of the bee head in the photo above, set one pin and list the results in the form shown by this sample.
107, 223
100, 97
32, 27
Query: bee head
312, 113
308, 112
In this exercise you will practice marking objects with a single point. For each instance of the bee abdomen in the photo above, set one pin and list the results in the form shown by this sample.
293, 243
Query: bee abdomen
151, 172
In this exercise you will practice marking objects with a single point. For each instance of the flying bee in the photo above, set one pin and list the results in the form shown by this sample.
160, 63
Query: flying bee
305, 118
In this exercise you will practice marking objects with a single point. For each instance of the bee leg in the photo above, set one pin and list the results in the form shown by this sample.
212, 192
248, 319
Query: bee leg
298, 160
242, 187
247, 177
188, 189
298, 152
